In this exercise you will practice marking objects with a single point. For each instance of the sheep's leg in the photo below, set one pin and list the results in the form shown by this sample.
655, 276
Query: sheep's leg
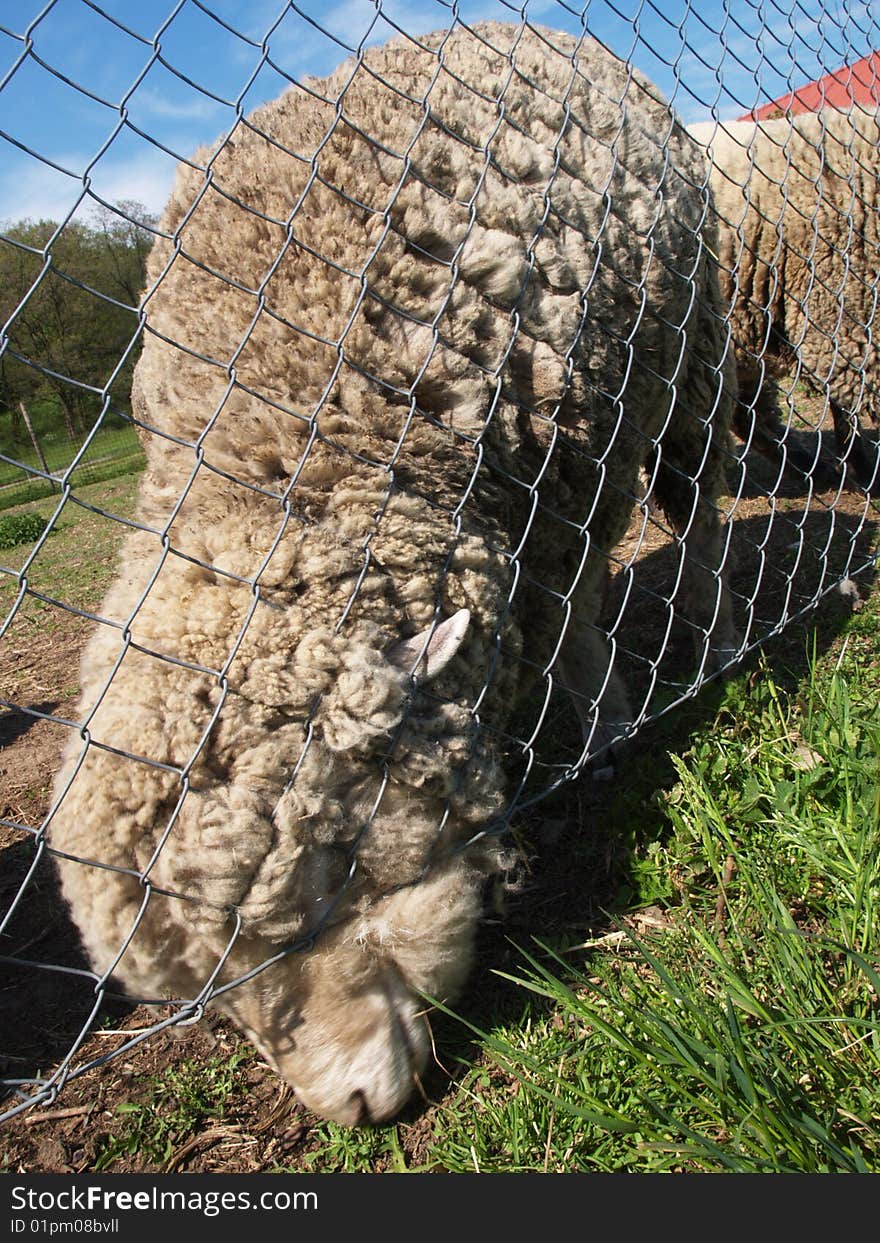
757, 421
855, 450
688, 476
586, 667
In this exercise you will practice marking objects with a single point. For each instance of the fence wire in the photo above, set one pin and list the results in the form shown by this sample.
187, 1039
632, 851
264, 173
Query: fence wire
504, 382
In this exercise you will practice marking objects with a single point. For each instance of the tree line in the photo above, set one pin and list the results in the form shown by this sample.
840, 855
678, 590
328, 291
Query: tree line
74, 300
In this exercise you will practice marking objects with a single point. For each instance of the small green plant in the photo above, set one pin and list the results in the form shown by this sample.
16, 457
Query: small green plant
175, 1106
346, 1150
18, 529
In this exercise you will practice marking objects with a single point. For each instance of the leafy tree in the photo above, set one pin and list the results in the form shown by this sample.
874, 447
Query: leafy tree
71, 299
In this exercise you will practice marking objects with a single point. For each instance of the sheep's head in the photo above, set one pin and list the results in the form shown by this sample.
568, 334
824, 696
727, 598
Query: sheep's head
346, 1024
393, 783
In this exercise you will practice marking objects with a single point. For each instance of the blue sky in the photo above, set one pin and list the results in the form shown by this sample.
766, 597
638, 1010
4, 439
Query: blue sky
711, 57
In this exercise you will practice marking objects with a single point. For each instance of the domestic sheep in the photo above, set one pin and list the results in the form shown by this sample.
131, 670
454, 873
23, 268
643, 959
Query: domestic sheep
409, 346
800, 265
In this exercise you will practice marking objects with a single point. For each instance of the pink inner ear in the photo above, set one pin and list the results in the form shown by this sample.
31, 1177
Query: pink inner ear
427, 654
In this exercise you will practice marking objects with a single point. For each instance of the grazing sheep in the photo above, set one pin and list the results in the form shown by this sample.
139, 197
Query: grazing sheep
408, 349
800, 262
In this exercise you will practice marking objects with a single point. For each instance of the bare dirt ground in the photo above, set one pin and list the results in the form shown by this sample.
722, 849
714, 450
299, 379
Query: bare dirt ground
785, 552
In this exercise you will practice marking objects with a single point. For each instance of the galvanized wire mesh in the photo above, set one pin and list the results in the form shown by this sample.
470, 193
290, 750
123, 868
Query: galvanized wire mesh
440, 358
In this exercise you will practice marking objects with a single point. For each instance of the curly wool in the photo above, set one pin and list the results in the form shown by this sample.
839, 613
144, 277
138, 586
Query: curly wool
800, 258
401, 365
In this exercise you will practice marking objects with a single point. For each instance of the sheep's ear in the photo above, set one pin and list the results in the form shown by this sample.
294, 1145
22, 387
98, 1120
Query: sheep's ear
426, 655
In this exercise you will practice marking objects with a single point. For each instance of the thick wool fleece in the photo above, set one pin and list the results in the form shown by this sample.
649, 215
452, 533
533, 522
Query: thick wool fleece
800, 255
408, 348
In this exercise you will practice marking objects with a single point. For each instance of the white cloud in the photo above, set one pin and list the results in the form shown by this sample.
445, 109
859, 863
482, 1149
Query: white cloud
146, 177
195, 108
36, 191
303, 48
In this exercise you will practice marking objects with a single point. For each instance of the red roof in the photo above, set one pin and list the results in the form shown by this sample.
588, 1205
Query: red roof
851, 84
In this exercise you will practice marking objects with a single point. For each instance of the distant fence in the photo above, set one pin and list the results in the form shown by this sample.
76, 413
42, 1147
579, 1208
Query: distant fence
489, 411
56, 462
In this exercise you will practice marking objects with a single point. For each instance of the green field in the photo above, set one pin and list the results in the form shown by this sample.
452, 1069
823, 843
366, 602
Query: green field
113, 451
77, 559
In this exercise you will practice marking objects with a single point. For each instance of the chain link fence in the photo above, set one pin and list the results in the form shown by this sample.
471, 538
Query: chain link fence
496, 392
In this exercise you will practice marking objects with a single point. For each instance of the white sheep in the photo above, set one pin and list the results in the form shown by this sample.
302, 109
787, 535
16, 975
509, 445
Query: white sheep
409, 346
800, 263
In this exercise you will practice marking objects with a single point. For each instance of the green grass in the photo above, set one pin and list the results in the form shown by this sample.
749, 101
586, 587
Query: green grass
77, 561
113, 452
172, 1107
75, 564
744, 1034
343, 1150
16, 529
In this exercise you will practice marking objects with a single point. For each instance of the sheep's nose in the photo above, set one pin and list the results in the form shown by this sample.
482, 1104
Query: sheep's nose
363, 1068
358, 1102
